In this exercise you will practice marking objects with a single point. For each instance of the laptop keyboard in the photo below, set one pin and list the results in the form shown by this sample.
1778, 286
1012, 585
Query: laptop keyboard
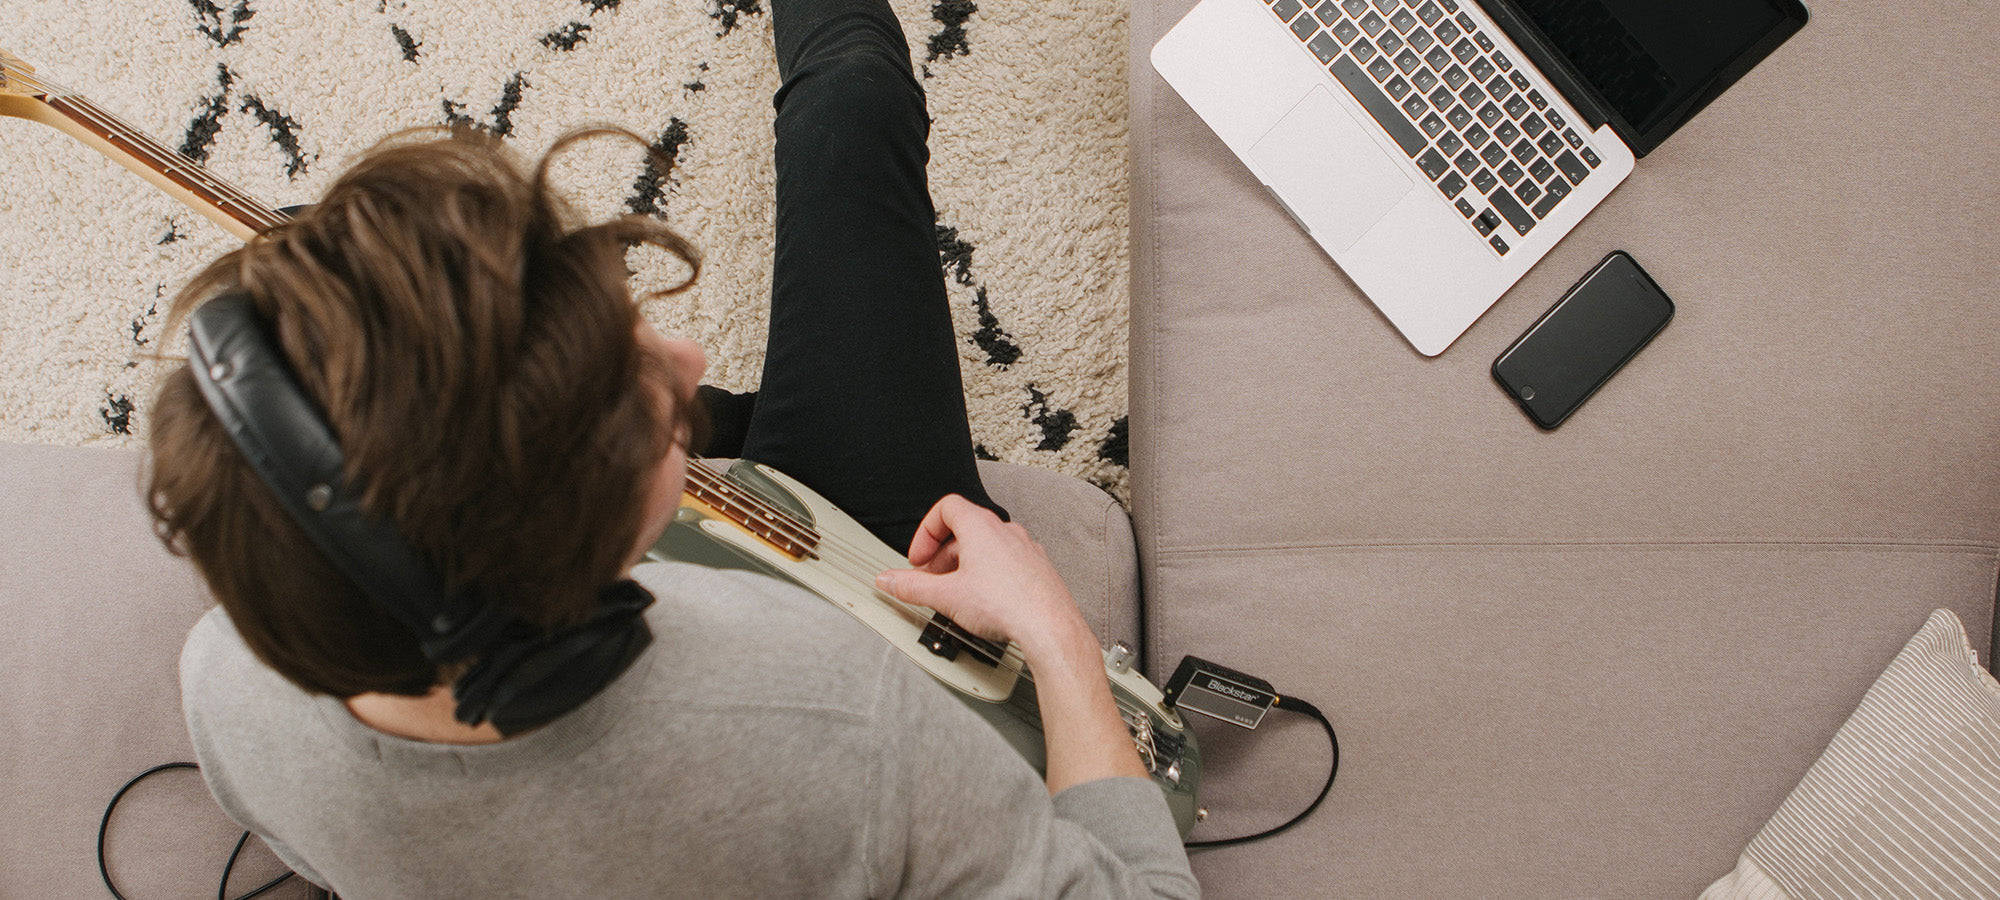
1458, 107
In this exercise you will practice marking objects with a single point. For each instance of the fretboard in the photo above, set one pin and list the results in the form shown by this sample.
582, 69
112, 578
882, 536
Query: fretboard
750, 512
26, 95
179, 169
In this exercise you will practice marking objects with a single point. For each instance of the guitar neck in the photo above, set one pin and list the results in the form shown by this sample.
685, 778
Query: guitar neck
23, 95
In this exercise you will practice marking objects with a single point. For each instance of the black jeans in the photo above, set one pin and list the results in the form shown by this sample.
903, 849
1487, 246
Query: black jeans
861, 397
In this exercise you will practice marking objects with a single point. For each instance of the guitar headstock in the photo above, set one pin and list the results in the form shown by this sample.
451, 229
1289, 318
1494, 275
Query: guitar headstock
25, 95
11, 68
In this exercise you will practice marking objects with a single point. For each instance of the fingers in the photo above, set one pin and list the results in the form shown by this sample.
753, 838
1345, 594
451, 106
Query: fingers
932, 533
947, 518
966, 562
910, 586
944, 560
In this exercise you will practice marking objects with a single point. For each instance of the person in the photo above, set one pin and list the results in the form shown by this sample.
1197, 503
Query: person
501, 402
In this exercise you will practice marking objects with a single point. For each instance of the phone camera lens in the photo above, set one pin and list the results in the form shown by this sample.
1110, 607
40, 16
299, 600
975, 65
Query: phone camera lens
1527, 393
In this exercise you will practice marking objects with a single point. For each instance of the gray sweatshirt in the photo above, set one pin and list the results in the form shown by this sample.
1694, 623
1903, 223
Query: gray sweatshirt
766, 745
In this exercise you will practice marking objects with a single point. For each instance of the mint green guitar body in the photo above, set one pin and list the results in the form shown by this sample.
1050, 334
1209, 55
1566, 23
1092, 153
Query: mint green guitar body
703, 536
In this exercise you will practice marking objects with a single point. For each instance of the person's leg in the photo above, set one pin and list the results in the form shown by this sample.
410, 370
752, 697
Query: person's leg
861, 397
728, 420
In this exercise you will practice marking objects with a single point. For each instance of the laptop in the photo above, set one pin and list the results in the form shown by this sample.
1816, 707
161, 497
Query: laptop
1436, 149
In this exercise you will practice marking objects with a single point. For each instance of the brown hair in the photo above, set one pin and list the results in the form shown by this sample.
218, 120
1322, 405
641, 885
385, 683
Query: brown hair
477, 358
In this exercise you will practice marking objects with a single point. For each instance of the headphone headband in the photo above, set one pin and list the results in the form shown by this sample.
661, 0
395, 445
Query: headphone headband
524, 677
287, 441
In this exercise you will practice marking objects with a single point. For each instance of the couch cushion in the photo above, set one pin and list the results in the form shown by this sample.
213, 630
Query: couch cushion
1585, 662
1088, 536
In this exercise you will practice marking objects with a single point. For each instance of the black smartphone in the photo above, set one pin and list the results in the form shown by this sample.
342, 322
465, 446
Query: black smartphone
1583, 340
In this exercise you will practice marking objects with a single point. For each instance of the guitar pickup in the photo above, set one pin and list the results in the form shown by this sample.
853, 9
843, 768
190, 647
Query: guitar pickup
944, 638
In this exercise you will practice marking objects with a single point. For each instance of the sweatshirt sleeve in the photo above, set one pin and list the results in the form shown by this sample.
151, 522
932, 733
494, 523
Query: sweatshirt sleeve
1129, 816
959, 813
219, 681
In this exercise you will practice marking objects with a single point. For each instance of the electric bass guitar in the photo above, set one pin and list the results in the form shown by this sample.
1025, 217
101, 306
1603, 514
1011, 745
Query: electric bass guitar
740, 516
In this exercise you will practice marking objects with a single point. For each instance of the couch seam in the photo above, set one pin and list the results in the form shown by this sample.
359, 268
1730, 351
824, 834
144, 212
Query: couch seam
1112, 516
1718, 544
1141, 99
1102, 588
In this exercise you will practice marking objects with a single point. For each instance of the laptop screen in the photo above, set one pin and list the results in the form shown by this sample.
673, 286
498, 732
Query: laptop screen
1654, 63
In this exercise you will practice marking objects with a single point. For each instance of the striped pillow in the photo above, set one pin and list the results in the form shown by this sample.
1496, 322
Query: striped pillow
1906, 800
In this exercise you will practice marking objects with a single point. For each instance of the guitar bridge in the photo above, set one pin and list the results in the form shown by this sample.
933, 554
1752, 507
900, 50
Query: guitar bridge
1160, 750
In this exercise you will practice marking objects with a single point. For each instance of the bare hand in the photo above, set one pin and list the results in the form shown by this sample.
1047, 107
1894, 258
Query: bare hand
988, 576
992, 578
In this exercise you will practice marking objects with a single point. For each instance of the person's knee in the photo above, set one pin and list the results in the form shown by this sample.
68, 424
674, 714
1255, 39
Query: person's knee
863, 86
853, 110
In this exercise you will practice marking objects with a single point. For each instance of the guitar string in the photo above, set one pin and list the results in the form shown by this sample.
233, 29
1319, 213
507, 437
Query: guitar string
853, 564
178, 163
726, 491
157, 155
226, 197
846, 561
252, 212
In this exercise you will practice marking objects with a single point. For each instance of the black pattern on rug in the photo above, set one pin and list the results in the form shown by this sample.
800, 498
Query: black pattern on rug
500, 121
202, 130
951, 40
224, 26
408, 44
728, 14
284, 133
117, 413
1057, 425
569, 37
649, 190
1117, 446
956, 255
207, 124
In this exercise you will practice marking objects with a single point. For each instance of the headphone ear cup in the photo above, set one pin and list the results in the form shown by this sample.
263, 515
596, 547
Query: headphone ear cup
530, 678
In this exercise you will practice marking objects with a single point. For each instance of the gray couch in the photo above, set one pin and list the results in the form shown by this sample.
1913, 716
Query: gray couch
1592, 662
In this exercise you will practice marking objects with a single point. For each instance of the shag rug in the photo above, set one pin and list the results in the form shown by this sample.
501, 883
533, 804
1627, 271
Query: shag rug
1028, 169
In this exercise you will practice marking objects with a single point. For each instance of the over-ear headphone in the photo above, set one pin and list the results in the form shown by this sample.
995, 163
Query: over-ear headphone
522, 677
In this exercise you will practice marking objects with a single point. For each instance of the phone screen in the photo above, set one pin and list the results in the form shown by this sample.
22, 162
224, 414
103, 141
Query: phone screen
1582, 340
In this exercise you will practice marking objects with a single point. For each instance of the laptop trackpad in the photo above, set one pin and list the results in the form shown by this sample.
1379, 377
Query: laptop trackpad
1337, 181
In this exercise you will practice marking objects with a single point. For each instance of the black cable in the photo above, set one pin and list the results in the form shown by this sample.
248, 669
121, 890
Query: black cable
104, 825
1291, 704
222, 890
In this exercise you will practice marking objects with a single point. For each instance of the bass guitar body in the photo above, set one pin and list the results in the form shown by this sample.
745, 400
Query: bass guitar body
802, 538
